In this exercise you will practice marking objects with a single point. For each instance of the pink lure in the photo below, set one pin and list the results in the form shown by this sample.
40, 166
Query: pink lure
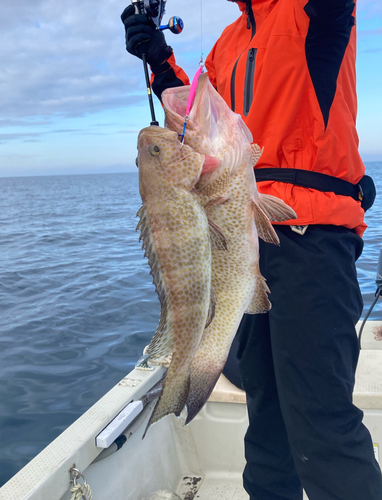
194, 84
191, 98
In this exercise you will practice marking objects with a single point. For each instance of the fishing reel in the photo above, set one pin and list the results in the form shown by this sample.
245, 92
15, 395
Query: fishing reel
154, 10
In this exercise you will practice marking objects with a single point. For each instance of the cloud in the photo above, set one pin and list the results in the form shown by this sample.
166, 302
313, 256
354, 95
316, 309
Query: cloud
33, 136
22, 123
17, 136
372, 51
62, 58
17, 157
374, 32
69, 58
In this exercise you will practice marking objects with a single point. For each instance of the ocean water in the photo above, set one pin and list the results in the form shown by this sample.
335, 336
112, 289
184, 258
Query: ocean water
77, 304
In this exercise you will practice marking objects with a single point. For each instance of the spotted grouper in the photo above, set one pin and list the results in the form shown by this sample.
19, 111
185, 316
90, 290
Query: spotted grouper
233, 204
176, 238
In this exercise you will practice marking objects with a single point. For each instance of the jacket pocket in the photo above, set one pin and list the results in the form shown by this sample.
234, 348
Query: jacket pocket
249, 79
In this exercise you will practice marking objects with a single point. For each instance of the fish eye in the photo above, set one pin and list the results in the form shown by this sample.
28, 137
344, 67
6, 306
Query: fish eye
154, 150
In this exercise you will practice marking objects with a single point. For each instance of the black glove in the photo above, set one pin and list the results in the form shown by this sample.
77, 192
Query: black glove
142, 37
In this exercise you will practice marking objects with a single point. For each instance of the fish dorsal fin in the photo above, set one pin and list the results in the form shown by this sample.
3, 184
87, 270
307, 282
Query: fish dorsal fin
212, 308
162, 342
275, 209
257, 151
264, 227
218, 240
260, 303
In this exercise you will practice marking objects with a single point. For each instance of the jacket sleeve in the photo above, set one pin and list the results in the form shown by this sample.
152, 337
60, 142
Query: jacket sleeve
331, 13
167, 75
329, 34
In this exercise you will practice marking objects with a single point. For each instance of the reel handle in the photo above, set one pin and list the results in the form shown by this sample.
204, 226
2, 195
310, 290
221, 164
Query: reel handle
175, 25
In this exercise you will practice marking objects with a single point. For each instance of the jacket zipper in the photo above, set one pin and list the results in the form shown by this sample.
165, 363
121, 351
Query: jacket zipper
248, 82
250, 23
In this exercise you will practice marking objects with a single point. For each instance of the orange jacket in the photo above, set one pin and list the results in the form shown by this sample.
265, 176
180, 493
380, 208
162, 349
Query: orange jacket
288, 68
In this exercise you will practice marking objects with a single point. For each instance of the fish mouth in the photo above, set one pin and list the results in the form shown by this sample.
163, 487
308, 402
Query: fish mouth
175, 102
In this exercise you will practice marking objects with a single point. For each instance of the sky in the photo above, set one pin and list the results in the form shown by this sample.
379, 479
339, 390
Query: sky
72, 100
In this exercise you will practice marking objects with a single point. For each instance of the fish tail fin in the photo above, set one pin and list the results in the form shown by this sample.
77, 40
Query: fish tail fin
202, 385
173, 397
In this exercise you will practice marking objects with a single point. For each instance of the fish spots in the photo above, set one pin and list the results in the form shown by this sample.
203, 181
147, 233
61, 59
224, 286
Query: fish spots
178, 198
175, 234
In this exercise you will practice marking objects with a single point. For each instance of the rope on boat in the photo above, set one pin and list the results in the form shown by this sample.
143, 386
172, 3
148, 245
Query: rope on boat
79, 491
163, 360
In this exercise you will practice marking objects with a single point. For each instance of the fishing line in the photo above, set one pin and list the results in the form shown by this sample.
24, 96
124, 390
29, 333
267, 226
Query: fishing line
201, 62
194, 83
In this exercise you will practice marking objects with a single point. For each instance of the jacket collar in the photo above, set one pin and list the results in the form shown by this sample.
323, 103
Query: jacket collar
256, 4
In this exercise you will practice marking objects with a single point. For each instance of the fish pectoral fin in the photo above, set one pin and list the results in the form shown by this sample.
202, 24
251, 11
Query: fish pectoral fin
264, 228
275, 209
212, 308
218, 240
260, 303
257, 151
162, 342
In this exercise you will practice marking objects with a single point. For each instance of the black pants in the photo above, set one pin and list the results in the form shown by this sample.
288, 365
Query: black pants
297, 364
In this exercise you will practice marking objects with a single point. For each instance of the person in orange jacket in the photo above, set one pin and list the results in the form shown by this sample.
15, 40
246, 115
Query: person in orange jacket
288, 68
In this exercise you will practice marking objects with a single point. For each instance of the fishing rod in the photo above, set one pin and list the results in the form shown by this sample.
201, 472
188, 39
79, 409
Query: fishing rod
378, 293
154, 10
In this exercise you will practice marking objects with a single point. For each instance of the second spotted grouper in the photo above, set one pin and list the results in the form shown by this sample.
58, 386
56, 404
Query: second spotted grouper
231, 200
177, 242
